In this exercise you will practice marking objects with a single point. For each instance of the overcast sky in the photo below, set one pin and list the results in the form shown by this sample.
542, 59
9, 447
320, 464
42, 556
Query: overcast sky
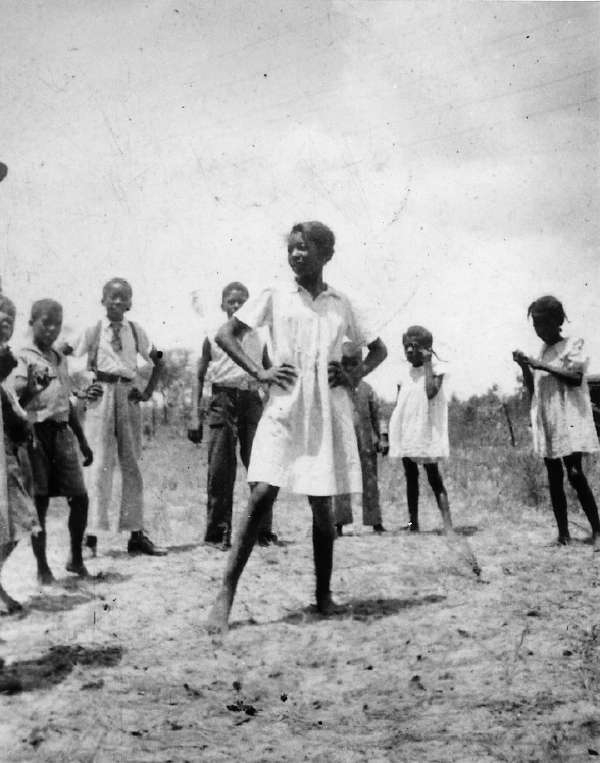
452, 147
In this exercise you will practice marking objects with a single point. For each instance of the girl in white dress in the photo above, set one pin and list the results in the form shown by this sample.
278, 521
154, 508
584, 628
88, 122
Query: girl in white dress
561, 412
418, 431
305, 439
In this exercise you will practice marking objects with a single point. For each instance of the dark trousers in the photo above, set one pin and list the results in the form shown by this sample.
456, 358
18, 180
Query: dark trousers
233, 416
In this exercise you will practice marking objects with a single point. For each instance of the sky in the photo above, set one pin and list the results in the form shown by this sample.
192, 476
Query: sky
452, 147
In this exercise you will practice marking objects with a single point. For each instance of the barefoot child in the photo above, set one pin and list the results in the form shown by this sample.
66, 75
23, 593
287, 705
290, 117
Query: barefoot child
305, 439
370, 440
234, 411
561, 412
419, 423
113, 417
17, 512
57, 434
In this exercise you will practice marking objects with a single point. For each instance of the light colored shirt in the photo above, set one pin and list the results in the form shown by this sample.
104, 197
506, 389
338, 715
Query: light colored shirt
53, 401
305, 440
226, 372
121, 362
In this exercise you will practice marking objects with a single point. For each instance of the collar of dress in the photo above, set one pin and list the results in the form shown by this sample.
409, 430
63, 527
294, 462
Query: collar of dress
327, 292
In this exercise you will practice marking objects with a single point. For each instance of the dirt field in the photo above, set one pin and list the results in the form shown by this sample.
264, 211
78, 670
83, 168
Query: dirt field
425, 663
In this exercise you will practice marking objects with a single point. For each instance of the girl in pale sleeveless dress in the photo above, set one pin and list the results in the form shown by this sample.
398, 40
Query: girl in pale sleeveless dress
418, 431
561, 412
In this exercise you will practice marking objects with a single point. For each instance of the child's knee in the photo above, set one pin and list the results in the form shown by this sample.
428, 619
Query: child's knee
575, 475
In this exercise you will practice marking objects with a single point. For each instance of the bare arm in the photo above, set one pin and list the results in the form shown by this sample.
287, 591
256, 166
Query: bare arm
203, 364
77, 429
229, 338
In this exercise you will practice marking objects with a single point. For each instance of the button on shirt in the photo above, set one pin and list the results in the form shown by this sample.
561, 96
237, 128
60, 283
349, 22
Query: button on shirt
121, 362
53, 401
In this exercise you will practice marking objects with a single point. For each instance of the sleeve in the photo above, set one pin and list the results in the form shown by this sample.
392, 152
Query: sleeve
83, 342
439, 367
144, 343
575, 357
360, 329
22, 367
257, 311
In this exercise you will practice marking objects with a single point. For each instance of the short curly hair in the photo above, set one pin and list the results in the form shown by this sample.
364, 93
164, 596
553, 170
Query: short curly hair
317, 233
548, 305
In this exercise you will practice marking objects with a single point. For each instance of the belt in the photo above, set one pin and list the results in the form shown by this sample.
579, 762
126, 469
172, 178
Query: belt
101, 376
252, 387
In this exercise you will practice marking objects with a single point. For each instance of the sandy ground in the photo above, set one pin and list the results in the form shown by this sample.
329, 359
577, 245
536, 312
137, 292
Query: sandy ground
424, 663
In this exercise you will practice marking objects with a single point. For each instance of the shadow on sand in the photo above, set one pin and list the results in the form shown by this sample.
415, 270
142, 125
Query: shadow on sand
54, 666
466, 531
355, 609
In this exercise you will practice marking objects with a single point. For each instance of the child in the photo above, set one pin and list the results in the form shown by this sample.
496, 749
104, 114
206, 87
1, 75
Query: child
234, 412
561, 412
305, 439
17, 514
419, 424
43, 386
370, 440
113, 420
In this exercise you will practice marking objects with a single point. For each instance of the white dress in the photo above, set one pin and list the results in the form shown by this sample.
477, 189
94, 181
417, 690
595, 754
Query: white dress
305, 441
561, 415
419, 426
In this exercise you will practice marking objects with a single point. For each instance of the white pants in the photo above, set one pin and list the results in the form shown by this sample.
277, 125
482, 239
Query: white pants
113, 428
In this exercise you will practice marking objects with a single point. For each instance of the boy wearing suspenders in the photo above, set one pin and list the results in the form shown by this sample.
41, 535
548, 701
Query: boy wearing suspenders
113, 417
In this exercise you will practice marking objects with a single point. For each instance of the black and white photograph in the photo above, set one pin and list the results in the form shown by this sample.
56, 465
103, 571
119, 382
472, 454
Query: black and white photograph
299, 381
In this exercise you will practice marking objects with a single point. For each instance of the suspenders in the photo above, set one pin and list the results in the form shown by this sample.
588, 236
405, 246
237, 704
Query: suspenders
94, 344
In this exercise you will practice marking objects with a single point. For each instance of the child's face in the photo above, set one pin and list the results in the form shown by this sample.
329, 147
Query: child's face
117, 301
412, 351
546, 327
46, 328
233, 300
7, 326
303, 257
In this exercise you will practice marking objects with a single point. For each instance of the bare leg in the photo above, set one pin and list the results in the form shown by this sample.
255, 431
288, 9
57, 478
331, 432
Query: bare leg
38, 542
586, 498
411, 472
558, 498
441, 496
261, 500
323, 535
78, 505
12, 605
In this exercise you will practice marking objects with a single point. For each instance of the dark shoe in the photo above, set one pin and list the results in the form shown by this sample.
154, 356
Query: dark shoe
267, 538
91, 542
339, 529
379, 528
141, 544
412, 527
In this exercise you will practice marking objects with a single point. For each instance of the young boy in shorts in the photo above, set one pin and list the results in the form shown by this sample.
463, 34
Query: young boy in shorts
113, 417
234, 411
43, 387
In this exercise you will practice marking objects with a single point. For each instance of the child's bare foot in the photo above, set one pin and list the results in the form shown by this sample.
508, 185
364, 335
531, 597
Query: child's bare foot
326, 606
45, 576
78, 568
217, 623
